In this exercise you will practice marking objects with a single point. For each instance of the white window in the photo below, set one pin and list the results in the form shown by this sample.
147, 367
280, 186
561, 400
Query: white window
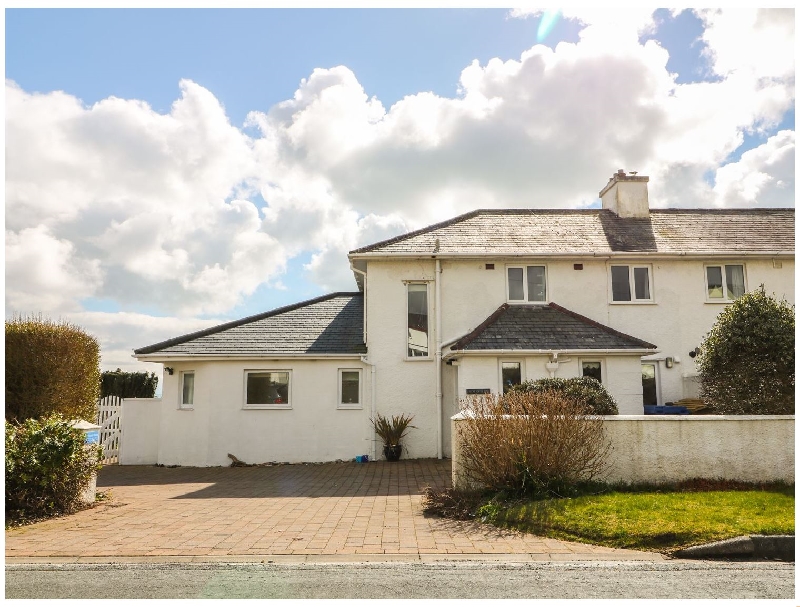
417, 320
349, 389
187, 389
268, 389
510, 374
592, 368
526, 283
631, 283
724, 282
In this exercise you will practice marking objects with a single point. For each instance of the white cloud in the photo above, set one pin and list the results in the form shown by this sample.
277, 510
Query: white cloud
164, 212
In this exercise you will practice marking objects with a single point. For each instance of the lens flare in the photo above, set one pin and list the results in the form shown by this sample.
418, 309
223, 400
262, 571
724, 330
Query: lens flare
546, 25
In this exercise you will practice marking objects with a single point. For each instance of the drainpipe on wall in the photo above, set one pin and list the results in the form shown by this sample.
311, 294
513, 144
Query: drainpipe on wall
438, 308
371, 406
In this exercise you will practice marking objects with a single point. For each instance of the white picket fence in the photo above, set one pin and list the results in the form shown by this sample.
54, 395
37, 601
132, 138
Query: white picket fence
109, 414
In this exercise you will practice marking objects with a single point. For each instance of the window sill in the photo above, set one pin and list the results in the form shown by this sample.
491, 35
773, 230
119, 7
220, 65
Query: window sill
262, 407
634, 303
185, 408
350, 407
418, 359
519, 302
719, 301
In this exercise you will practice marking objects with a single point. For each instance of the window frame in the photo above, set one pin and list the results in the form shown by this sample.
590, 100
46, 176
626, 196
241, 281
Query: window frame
632, 284
725, 299
360, 403
500, 361
657, 375
524, 300
287, 405
181, 374
603, 374
406, 356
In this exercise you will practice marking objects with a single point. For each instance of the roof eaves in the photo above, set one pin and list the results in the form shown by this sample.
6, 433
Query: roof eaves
242, 321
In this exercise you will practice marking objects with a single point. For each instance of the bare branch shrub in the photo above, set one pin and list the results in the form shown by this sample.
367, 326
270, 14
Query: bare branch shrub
530, 442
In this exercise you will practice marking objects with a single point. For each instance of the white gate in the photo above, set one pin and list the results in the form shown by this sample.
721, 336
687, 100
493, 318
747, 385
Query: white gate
109, 413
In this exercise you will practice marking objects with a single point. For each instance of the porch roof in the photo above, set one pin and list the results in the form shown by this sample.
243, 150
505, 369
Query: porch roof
545, 327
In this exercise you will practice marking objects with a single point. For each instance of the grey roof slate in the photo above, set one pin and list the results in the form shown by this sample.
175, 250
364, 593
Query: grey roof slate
547, 231
545, 327
331, 324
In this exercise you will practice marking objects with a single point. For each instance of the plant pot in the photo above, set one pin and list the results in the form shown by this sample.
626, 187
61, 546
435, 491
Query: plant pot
392, 452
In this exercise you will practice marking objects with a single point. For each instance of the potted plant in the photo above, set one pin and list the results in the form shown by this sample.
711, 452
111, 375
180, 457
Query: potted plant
391, 432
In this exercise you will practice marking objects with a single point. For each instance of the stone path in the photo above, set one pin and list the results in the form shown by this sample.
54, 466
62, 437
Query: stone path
305, 509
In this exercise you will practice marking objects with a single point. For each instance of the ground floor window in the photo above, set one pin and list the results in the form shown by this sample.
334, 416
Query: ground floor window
593, 369
268, 389
187, 389
349, 388
511, 375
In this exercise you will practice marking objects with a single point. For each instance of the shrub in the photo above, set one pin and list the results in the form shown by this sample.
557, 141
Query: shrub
51, 367
530, 442
746, 361
587, 392
133, 384
392, 430
47, 468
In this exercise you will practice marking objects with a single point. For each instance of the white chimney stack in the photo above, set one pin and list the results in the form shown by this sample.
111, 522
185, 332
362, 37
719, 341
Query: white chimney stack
626, 195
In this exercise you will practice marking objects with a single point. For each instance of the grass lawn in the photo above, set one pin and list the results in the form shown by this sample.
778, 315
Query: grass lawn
652, 520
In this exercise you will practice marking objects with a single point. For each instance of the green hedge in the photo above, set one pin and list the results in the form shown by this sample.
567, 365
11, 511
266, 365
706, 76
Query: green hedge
51, 367
134, 384
47, 468
586, 391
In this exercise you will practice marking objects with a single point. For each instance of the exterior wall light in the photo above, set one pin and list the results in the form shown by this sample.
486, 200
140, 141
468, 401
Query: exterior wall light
169, 370
669, 362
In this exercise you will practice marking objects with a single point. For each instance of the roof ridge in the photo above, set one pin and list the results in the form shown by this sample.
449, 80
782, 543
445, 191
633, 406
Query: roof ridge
606, 328
242, 321
430, 228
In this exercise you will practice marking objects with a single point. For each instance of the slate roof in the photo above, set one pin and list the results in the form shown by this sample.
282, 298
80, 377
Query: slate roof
545, 327
547, 231
331, 324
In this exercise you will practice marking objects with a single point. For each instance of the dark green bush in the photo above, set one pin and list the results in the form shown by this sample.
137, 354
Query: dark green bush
133, 384
746, 361
587, 392
47, 468
51, 367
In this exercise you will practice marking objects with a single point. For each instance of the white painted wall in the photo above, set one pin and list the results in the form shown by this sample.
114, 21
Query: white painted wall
140, 423
671, 448
314, 429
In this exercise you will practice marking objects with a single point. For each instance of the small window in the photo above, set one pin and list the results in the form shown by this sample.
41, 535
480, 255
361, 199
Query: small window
593, 369
187, 389
268, 389
725, 282
527, 283
631, 283
417, 320
349, 388
511, 373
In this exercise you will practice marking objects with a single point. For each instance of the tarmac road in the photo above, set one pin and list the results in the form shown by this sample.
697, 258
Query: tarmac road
445, 579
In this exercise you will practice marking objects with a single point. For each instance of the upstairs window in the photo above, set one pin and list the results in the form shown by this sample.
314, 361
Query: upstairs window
724, 282
631, 283
417, 320
527, 283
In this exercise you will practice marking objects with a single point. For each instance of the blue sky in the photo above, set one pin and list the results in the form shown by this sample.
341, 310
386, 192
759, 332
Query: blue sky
368, 122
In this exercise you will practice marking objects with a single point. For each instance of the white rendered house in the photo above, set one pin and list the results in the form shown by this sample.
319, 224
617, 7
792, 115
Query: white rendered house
487, 299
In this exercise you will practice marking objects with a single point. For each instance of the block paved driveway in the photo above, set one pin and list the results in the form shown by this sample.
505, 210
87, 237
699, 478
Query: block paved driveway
301, 509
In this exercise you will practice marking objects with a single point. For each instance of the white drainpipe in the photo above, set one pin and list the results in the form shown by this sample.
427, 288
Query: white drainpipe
371, 407
438, 308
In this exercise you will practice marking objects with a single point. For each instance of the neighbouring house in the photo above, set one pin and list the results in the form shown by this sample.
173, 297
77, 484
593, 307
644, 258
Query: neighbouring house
470, 305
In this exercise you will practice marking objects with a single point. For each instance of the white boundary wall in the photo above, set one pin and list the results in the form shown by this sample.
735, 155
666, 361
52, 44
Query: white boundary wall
141, 419
670, 448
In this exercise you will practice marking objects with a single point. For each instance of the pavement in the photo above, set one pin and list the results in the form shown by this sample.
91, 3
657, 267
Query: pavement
302, 513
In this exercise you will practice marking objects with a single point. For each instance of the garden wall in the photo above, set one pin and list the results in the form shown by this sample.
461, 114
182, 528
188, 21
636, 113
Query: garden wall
669, 448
